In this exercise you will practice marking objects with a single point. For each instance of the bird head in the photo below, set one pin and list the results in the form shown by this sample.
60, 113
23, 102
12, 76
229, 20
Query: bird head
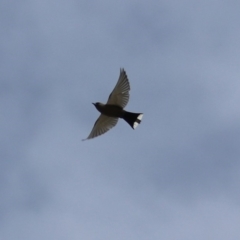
98, 104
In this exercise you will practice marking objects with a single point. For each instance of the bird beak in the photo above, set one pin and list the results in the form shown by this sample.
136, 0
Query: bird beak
93, 104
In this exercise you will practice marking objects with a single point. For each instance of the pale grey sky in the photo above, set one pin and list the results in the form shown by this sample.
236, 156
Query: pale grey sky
176, 176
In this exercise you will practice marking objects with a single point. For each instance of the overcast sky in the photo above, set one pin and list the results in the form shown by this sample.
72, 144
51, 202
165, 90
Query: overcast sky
176, 177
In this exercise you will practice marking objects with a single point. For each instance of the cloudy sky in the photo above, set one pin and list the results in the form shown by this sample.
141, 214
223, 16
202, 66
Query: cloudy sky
176, 176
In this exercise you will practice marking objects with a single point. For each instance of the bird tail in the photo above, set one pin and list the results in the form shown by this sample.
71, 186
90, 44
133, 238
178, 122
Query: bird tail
133, 119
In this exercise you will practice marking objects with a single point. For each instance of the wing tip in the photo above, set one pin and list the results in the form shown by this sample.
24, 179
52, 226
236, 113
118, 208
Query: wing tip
122, 70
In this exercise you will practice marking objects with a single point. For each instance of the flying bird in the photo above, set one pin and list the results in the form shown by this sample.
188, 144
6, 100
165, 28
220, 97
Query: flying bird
114, 109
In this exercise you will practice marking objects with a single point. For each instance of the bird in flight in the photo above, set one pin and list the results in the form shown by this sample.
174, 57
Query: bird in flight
114, 109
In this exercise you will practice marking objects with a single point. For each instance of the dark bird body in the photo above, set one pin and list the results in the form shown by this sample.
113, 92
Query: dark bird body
114, 109
118, 112
109, 110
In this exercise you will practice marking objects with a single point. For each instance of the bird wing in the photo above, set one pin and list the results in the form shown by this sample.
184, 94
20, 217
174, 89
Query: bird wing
102, 125
120, 94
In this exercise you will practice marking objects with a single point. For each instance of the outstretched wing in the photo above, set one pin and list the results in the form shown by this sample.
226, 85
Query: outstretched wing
102, 125
120, 94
